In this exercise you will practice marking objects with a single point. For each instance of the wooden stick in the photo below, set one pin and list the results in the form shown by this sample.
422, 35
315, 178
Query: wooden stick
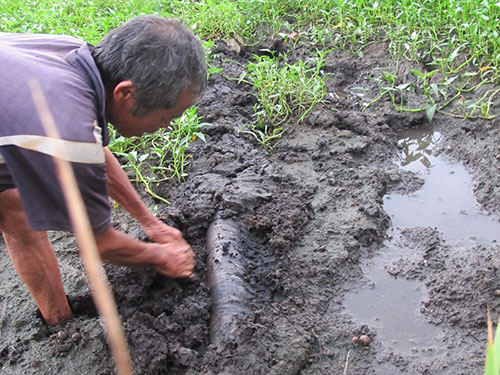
347, 362
99, 287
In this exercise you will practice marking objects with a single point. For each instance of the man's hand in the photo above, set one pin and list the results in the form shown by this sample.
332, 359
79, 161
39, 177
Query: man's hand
176, 260
160, 232
179, 257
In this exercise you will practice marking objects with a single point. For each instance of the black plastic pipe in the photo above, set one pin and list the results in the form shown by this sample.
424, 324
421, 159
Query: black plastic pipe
226, 272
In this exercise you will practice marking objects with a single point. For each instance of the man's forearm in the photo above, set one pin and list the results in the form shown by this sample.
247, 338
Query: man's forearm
120, 249
121, 190
171, 255
174, 259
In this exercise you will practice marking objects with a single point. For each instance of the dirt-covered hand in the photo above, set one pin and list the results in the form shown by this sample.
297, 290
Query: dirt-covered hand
177, 259
160, 232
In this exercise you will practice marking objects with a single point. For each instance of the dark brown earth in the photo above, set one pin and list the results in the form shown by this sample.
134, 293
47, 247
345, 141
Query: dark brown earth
307, 212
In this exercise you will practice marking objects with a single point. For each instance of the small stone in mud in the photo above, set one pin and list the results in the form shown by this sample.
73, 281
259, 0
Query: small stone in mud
497, 292
61, 335
355, 340
76, 337
185, 356
365, 340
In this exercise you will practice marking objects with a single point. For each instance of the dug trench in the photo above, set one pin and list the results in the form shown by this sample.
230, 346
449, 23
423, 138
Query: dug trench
280, 235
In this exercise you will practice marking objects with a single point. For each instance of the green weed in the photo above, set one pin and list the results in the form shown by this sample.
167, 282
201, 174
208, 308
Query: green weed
457, 38
492, 362
284, 91
208, 45
161, 156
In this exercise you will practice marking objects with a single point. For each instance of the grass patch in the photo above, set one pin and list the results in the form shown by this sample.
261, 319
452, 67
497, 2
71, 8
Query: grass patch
159, 157
284, 91
458, 39
492, 362
421, 29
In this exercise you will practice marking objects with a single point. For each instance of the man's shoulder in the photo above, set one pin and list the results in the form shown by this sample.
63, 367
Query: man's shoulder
36, 48
33, 40
72, 97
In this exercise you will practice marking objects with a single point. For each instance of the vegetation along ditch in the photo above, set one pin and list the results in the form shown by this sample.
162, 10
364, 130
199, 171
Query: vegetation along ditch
339, 183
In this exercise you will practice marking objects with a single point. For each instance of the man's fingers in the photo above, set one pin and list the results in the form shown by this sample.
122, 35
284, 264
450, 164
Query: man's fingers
180, 262
191, 263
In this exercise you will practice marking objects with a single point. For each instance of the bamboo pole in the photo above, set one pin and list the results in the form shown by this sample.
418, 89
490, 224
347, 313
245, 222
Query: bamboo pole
99, 287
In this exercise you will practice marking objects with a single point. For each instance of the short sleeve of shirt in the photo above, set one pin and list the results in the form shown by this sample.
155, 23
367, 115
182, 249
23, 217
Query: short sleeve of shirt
69, 79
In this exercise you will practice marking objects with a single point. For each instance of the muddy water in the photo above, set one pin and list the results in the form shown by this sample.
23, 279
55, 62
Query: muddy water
445, 201
389, 304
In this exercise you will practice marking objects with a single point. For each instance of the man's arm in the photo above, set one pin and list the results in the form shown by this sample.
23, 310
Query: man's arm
171, 255
173, 259
121, 190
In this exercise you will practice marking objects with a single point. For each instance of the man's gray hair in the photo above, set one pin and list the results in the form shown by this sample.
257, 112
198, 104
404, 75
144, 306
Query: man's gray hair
159, 55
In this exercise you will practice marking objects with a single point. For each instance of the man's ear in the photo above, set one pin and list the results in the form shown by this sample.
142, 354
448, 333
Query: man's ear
123, 91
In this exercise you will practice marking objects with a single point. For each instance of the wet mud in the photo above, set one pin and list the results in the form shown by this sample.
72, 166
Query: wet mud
283, 237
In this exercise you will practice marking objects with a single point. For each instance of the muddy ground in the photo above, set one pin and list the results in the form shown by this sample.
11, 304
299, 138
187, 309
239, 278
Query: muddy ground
306, 213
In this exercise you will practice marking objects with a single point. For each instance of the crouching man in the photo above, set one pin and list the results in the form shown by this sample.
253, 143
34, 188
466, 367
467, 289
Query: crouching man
139, 77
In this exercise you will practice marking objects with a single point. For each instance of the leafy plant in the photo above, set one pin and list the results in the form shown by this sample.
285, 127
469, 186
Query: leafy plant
492, 363
214, 19
161, 156
283, 91
208, 45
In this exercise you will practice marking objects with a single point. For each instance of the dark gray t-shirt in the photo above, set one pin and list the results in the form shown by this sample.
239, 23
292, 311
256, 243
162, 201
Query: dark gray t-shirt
73, 88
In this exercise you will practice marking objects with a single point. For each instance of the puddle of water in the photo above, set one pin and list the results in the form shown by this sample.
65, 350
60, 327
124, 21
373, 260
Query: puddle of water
445, 201
391, 305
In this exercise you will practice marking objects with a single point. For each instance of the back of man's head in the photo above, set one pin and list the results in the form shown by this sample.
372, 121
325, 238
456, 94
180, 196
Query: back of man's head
159, 55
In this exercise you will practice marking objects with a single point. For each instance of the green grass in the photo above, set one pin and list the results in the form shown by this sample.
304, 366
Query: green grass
284, 91
420, 29
456, 41
159, 157
492, 361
